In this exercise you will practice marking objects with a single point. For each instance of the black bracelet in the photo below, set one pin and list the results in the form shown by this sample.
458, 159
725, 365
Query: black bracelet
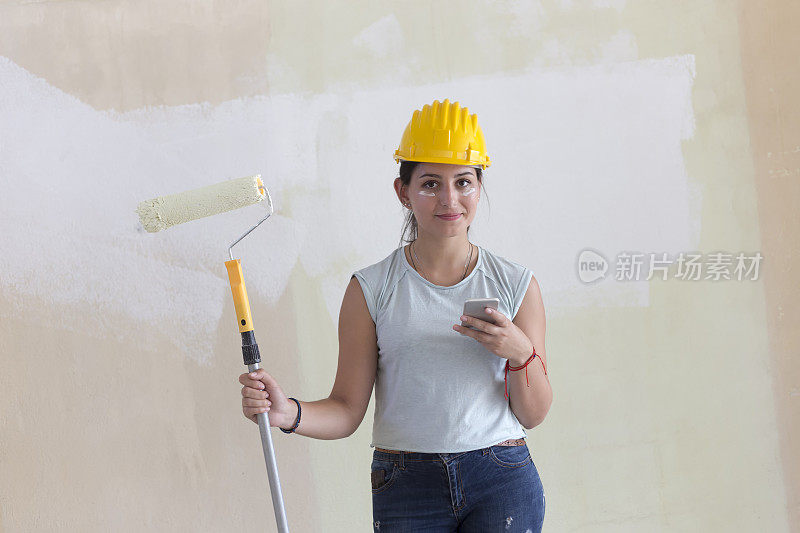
296, 422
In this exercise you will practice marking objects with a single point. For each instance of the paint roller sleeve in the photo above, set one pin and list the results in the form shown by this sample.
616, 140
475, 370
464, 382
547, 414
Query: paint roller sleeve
166, 211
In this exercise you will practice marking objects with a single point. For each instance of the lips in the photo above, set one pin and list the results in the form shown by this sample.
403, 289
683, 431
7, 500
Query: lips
450, 217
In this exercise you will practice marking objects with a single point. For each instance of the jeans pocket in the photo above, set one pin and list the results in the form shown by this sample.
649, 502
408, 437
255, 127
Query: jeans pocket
510, 456
383, 475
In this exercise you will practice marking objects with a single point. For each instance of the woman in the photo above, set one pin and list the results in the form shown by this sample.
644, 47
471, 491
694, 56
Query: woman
451, 401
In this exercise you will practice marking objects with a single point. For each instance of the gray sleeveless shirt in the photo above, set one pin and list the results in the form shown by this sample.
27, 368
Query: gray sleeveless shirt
436, 390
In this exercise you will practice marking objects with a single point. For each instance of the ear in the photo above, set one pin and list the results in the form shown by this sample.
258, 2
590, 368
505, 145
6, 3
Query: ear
398, 188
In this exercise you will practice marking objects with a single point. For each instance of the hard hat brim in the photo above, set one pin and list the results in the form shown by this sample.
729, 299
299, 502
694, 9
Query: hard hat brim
445, 160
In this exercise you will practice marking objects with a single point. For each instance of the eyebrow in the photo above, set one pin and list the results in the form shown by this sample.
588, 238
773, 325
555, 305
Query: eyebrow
465, 173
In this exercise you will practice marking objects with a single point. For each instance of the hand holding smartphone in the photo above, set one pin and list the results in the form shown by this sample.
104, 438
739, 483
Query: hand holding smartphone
474, 307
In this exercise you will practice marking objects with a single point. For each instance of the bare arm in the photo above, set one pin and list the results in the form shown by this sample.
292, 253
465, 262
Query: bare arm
531, 396
358, 355
340, 414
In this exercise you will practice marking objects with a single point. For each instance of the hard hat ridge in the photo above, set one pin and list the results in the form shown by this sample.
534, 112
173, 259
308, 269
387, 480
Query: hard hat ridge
443, 132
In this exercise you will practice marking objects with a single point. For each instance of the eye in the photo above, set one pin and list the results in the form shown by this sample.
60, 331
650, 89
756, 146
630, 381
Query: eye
425, 185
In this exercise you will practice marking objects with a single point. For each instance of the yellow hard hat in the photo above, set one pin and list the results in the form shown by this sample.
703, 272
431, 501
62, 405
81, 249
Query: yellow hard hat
443, 133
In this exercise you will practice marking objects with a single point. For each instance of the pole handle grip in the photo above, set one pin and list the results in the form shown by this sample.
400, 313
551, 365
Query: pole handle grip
239, 291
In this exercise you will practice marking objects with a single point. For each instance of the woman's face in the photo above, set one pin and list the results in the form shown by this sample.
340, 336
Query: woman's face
439, 189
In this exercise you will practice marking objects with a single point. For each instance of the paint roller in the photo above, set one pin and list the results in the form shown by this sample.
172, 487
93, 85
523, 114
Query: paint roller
167, 211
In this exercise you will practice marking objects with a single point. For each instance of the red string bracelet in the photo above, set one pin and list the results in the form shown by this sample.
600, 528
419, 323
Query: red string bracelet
525, 366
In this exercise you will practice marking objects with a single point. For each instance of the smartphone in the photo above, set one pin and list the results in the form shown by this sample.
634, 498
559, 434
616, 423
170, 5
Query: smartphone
474, 307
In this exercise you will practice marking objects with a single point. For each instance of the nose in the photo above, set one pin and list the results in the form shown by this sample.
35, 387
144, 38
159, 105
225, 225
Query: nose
448, 195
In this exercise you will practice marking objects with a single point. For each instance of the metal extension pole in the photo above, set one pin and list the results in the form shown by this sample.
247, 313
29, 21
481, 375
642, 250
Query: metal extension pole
272, 466
252, 358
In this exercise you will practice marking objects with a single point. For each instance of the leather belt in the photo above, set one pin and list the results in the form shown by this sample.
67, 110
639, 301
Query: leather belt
509, 442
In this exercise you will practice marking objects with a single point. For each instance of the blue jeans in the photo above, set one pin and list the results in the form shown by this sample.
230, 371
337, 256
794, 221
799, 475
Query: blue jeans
482, 491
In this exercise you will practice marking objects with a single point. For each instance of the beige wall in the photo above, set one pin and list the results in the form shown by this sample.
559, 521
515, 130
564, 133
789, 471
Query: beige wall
675, 402
769, 47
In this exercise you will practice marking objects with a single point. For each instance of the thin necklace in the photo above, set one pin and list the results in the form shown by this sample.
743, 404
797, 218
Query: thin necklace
466, 263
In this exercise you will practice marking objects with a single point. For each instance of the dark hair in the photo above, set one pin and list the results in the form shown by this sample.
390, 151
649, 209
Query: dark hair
410, 224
